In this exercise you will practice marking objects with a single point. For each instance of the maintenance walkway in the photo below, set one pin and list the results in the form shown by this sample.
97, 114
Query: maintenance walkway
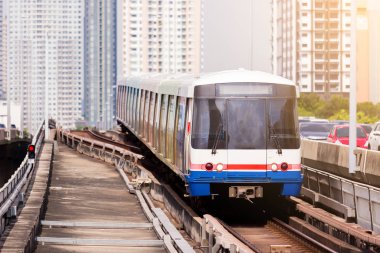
90, 210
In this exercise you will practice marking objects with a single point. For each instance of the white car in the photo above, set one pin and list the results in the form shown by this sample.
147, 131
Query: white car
374, 138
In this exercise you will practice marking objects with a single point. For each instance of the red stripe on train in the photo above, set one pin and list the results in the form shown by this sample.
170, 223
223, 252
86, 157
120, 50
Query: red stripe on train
245, 167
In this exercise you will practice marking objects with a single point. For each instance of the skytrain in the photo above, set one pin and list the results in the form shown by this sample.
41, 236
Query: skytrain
232, 133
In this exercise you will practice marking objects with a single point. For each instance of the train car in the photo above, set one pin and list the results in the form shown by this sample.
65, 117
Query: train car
232, 133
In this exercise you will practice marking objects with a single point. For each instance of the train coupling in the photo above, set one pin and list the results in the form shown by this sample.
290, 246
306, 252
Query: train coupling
245, 192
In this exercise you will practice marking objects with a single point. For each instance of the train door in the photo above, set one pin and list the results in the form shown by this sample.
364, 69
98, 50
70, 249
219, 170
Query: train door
246, 138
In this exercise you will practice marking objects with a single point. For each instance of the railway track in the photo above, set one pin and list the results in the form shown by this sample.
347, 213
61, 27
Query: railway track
273, 236
98, 136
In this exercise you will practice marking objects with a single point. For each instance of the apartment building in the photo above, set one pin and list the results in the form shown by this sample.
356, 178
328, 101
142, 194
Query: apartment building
44, 60
2, 84
312, 44
159, 36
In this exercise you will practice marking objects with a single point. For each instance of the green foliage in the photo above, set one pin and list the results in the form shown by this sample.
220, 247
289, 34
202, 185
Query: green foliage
310, 102
340, 115
25, 132
336, 108
331, 106
304, 113
362, 117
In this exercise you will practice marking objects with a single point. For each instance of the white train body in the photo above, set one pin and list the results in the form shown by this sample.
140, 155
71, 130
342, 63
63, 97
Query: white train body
229, 133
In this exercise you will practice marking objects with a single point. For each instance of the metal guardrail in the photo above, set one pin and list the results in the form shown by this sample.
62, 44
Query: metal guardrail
359, 201
11, 190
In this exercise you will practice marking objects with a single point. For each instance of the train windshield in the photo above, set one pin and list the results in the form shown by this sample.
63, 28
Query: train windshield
245, 123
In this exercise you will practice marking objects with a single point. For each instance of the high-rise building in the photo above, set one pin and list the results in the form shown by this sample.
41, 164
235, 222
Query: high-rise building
312, 44
100, 62
2, 85
159, 36
44, 60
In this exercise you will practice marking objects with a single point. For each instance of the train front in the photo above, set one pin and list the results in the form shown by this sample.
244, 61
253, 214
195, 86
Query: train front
244, 141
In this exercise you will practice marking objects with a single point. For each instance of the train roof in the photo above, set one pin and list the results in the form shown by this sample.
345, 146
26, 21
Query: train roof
183, 84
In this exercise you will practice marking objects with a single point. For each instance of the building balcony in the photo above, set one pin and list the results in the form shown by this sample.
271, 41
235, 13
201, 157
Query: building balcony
320, 27
320, 6
319, 39
319, 49
334, 60
319, 60
319, 79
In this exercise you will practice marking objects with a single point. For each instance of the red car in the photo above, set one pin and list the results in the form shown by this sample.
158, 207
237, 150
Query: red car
339, 134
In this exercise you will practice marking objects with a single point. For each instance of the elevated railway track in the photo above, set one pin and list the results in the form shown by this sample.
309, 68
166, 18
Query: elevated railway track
275, 235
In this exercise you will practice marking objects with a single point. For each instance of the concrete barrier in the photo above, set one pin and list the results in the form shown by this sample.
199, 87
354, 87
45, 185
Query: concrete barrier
333, 158
359, 194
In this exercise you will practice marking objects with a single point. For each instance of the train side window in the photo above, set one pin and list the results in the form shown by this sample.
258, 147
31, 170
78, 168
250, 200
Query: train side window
151, 116
121, 103
146, 114
180, 133
189, 113
141, 112
133, 108
123, 110
163, 116
127, 111
138, 91
170, 128
118, 101
130, 106
137, 110
157, 122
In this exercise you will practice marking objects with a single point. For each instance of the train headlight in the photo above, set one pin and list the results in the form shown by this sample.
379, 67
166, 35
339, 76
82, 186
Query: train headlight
274, 167
219, 167
209, 166
284, 166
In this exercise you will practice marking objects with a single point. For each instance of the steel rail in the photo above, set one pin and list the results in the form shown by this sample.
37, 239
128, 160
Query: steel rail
239, 236
129, 147
304, 237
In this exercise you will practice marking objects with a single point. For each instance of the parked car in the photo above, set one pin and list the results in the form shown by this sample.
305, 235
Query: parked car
374, 138
340, 122
315, 131
319, 120
367, 128
304, 119
2, 125
339, 134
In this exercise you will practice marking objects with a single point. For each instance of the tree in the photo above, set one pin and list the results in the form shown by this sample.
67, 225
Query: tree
340, 115
336, 108
333, 105
309, 102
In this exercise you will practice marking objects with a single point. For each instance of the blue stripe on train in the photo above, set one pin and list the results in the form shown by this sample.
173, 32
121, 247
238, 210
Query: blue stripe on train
199, 181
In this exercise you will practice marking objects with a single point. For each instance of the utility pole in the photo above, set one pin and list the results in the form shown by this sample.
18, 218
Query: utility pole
352, 137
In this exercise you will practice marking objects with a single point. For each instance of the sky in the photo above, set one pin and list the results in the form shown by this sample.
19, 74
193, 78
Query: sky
240, 34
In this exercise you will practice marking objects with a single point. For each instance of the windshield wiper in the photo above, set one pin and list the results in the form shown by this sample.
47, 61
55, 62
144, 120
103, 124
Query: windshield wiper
274, 136
213, 151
